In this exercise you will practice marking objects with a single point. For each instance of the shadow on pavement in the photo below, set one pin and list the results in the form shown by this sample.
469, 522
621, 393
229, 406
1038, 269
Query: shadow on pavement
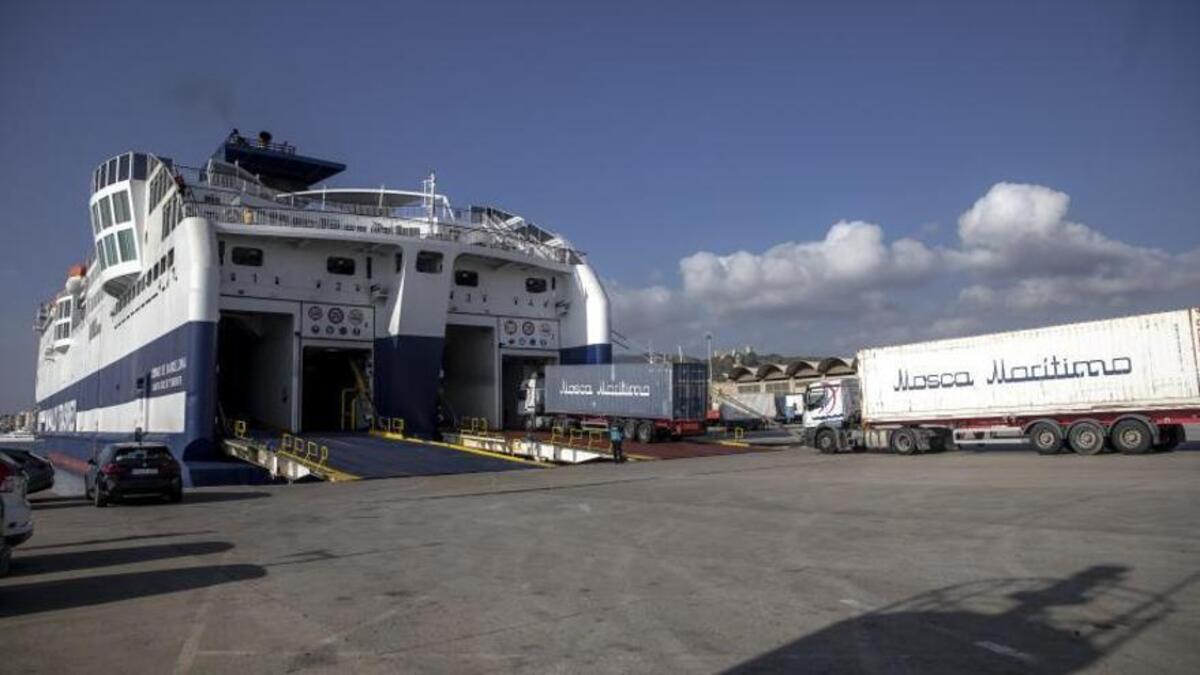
23, 565
132, 537
189, 497
1000, 625
48, 596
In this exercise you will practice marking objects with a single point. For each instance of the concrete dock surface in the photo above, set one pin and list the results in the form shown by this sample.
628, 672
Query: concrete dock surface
765, 562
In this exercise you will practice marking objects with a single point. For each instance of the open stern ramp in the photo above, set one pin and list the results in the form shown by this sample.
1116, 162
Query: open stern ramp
359, 455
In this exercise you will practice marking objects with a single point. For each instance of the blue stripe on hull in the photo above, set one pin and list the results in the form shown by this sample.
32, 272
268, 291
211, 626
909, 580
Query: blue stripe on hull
117, 382
193, 343
597, 353
407, 369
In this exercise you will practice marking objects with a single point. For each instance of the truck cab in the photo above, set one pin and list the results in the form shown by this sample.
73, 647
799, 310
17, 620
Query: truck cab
830, 404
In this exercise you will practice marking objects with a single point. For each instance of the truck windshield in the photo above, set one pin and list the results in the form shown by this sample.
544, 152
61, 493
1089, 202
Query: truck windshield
815, 398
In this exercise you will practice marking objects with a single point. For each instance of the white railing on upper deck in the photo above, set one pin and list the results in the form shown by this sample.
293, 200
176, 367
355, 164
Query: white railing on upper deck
387, 225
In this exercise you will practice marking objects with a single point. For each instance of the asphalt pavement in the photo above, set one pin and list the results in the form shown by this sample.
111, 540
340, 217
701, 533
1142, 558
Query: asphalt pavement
775, 562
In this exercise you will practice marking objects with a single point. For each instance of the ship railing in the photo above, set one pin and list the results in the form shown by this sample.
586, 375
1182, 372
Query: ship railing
257, 143
400, 227
221, 180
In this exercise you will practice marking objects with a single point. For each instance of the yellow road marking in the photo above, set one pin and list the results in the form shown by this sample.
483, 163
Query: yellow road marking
463, 448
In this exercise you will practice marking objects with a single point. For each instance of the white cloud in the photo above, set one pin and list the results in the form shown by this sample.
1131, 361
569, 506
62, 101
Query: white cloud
850, 263
1018, 260
1018, 238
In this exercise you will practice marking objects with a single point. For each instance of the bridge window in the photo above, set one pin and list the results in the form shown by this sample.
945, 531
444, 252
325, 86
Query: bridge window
535, 285
100, 255
338, 265
120, 203
429, 262
97, 224
128, 249
123, 170
466, 278
112, 171
244, 255
139, 167
106, 213
110, 248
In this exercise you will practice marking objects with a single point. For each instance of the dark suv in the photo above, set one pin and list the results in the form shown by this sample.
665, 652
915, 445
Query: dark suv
37, 469
133, 469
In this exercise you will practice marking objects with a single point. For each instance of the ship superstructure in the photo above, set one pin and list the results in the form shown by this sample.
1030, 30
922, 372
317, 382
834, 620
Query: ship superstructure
239, 290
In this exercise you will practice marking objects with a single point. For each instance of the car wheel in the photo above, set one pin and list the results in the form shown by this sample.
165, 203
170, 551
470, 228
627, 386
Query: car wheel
98, 498
175, 495
5, 559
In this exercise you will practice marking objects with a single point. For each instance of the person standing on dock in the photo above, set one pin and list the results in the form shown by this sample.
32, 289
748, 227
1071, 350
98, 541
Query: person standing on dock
616, 435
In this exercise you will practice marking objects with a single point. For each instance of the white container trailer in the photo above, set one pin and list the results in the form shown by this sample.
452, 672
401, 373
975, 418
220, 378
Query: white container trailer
1131, 382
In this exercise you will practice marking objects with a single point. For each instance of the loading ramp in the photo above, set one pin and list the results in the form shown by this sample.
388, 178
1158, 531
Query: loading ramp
360, 455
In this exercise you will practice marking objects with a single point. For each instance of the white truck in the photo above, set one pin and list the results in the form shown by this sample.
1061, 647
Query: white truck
1128, 384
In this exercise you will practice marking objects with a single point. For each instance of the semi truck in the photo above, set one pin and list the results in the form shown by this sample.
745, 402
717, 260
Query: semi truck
1127, 384
650, 401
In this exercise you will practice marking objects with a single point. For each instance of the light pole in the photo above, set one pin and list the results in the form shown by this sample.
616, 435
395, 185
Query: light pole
708, 340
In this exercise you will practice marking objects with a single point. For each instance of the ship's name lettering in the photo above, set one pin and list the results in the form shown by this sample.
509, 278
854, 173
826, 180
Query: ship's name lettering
169, 368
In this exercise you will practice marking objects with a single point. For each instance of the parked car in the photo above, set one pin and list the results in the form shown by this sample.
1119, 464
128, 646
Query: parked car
16, 516
39, 471
121, 470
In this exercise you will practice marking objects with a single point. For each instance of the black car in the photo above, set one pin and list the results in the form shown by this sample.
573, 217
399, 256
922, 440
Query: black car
39, 472
133, 469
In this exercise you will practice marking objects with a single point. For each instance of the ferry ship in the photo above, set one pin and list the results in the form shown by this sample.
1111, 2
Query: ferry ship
240, 290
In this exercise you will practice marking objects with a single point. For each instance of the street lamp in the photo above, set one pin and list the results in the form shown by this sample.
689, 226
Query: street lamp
708, 340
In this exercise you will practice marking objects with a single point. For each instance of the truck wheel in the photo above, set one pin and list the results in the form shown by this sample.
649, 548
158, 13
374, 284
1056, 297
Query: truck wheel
903, 442
1169, 438
1086, 438
1046, 438
1131, 437
631, 428
645, 432
826, 442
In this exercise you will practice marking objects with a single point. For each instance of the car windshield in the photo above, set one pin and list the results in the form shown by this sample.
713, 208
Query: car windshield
158, 453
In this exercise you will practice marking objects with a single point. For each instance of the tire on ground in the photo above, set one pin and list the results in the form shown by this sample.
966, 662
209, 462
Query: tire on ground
1170, 436
826, 442
1045, 437
1132, 437
903, 442
1086, 438
630, 428
645, 432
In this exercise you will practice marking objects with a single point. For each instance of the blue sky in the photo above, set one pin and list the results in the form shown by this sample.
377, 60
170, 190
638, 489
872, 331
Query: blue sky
665, 137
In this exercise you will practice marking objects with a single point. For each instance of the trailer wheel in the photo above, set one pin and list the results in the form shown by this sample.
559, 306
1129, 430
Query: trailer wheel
645, 432
1086, 438
631, 428
1169, 437
903, 442
1046, 438
826, 442
1131, 437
